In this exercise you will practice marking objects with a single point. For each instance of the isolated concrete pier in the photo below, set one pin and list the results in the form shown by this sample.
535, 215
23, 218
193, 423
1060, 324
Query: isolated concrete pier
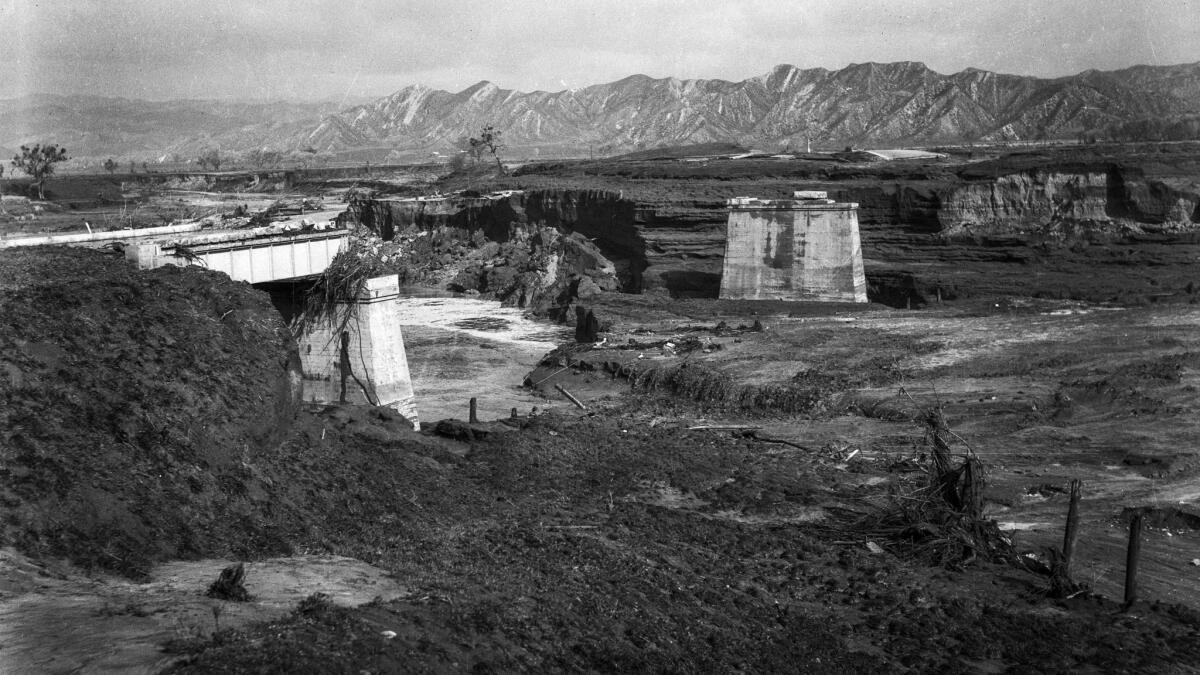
363, 361
805, 248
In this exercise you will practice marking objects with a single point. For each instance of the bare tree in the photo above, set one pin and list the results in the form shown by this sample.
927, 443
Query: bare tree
489, 140
38, 162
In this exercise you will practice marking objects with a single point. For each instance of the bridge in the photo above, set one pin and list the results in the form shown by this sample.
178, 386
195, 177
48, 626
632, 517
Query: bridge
253, 257
302, 246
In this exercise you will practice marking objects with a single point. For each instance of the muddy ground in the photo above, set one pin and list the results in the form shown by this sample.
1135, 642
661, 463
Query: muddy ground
726, 501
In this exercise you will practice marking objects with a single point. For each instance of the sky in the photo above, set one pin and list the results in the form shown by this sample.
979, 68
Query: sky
355, 50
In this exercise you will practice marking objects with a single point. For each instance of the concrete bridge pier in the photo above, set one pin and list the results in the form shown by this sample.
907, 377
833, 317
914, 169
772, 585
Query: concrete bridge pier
801, 249
364, 361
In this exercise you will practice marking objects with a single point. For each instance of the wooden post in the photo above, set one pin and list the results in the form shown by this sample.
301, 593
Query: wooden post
1072, 533
1131, 560
474, 416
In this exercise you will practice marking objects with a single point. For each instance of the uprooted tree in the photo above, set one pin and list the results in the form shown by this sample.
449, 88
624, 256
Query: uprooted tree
942, 522
38, 162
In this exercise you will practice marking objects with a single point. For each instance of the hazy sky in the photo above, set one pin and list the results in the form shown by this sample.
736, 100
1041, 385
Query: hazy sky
335, 49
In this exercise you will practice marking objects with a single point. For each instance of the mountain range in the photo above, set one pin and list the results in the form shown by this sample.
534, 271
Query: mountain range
861, 104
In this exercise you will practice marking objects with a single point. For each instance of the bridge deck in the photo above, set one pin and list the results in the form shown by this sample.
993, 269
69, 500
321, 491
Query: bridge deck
246, 257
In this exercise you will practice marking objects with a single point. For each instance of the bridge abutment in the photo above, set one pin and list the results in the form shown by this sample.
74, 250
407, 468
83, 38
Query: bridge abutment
362, 361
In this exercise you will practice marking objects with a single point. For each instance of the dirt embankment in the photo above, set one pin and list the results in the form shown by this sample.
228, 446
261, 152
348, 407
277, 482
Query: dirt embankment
151, 416
131, 401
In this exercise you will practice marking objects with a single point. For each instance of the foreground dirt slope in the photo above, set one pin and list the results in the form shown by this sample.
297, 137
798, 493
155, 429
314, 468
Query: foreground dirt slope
143, 417
129, 402
622, 542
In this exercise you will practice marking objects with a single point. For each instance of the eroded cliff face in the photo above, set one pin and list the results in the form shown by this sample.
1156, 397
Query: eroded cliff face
1107, 203
545, 250
1096, 234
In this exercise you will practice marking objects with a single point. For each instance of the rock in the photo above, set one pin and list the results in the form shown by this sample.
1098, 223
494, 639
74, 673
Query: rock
588, 289
230, 585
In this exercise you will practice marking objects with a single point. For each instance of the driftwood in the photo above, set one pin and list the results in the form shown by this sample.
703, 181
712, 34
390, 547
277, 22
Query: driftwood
568, 395
755, 436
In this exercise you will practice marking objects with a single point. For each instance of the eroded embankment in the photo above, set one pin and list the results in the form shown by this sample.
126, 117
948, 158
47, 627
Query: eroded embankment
152, 415
1100, 233
131, 401
543, 250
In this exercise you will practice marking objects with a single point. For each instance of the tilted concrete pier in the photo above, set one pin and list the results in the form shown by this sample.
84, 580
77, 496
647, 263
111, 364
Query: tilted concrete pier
801, 249
363, 361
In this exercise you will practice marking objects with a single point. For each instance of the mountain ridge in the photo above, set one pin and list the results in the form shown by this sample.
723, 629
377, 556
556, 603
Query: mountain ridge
871, 103
901, 102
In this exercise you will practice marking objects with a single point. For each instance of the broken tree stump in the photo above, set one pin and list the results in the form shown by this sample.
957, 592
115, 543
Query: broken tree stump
230, 585
474, 419
587, 326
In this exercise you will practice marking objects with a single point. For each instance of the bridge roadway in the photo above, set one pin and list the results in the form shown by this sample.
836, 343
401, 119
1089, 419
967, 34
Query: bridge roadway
253, 256
299, 247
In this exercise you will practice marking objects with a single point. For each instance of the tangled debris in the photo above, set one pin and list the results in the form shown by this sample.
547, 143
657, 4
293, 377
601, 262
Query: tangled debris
326, 302
942, 523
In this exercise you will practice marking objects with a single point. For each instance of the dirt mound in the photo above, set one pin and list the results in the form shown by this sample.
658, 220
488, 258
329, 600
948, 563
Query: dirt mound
129, 404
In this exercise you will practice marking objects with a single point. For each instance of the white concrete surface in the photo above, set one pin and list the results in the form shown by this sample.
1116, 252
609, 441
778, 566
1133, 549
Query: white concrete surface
793, 250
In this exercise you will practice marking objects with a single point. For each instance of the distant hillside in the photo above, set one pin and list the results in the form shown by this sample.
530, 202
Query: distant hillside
861, 104
679, 151
94, 126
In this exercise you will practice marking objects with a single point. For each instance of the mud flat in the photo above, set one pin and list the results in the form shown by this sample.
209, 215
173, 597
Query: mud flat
66, 623
1043, 391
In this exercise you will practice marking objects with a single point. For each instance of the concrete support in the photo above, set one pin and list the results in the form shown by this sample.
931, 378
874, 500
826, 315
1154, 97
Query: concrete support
364, 361
806, 248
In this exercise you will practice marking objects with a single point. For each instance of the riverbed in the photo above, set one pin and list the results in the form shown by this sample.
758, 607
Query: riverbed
461, 347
